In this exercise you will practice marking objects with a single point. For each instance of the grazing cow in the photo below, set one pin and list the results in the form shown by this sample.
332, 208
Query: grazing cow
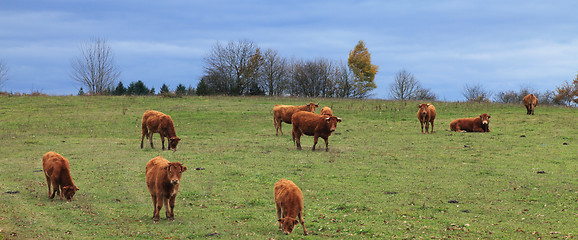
163, 179
426, 114
283, 113
530, 101
480, 124
315, 125
326, 111
158, 122
57, 172
289, 204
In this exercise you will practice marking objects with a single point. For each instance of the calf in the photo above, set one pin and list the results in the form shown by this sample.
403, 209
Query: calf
326, 111
158, 122
57, 172
426, 114
289, 204
315, 125
530, 101
283, 113
480, 124
163, 179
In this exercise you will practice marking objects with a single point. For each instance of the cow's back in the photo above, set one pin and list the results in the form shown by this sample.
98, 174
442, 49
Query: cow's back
154, 171
288, 195
306, 122
431, 111
54, 164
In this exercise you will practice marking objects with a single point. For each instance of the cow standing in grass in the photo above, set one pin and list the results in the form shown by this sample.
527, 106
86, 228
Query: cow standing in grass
426, 114
163, 179
158, 122
315, 125
480, 124
289, 205
283, 113
530, 102
57, 173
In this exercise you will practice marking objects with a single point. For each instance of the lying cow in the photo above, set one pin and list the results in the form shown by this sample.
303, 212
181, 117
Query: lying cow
315, 125
426, 114
326, 111
289, 204
283, 113
163, 179
158, 122
480, 124
530, 102
57, 172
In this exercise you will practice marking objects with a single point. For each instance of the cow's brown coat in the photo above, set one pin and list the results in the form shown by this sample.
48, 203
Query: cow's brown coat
289, 204
426, 114
315, 125
158, 122
530, 102
283, 113
57, 172
163, 180
326, 111
479, 124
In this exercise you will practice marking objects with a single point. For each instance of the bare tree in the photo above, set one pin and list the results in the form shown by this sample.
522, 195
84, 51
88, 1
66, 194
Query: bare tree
274, 73
476, 93
404, 86
3, 73
95, 67
313, 78
231, 69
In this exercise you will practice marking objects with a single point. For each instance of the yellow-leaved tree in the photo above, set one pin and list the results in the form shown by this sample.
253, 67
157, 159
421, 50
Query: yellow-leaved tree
359, 63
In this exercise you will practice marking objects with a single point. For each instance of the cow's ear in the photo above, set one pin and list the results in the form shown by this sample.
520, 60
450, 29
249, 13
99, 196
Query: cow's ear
327, 119
419, 106
480, 116
77, 188
428, 104
338, 119
489, 116
295, 221
317, 105
279, 220
183, 168
167, 168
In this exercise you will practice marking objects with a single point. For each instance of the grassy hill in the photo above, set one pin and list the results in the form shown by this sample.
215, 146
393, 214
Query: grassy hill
381, 177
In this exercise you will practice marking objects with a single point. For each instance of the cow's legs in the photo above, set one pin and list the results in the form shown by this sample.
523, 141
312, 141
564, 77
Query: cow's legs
162, 140
421, 126
315, 139
142, 139
279, 216
432, 125
158, 205
326, 144
151, 139
49, 184
302, 223
171, 213
427, 127
297, 138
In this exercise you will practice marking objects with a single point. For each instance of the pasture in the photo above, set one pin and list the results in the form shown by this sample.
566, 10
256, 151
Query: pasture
380, 178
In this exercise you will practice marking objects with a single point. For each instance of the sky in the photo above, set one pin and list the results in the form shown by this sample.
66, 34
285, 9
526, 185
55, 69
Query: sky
446, 44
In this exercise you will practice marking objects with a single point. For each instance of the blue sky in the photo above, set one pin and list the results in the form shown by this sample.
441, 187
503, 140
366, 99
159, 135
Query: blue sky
501, 45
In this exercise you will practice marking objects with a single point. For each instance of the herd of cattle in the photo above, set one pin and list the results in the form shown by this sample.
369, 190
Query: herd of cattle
163, 177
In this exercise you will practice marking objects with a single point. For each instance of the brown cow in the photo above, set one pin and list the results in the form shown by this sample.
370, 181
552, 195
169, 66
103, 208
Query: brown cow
426, 114
289, 204
315, 125
326, 111
163, 179
158, 122
283, 113
530, 102
57, 172
480, 124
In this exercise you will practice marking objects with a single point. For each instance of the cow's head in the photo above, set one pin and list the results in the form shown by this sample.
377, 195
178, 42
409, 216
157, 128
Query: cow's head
288, 223
485, 119
312, 106
173, 142
332, 122
69, 191
423, 108
175, 171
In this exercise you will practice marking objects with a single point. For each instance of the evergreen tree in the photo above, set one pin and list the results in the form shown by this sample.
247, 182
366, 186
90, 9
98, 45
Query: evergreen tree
181, 90
119, 90
164, 89
137, 88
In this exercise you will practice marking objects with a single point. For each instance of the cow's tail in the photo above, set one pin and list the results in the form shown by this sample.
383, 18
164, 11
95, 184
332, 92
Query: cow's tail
145, 130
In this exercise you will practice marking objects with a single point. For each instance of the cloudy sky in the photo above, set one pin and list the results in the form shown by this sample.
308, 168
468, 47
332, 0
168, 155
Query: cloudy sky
446, 44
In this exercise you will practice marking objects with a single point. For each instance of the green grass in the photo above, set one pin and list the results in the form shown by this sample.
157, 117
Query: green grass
381, 177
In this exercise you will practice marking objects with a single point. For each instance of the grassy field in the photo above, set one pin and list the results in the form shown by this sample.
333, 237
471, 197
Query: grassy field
381, 178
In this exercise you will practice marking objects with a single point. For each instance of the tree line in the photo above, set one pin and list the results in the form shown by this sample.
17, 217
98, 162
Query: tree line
138, 88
